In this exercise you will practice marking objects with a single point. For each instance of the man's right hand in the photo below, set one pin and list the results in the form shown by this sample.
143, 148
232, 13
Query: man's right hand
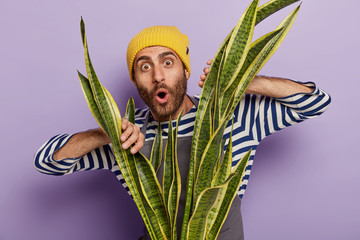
131, 135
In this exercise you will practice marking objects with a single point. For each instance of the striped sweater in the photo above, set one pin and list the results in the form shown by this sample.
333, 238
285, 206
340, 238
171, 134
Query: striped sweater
255, 117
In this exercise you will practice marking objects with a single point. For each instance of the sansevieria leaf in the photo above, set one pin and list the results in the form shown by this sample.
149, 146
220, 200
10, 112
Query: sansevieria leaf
136, 169
264, 55
153, 194
156, 154
220, 177
272, 7
85, 85
207, 168
130, 110
227, 196
197, 223
238, 46
255, 48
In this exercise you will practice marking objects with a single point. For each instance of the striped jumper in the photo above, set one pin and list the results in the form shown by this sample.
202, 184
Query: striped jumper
255, 117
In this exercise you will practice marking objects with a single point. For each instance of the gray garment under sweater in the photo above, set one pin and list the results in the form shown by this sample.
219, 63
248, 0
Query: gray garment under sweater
232, 228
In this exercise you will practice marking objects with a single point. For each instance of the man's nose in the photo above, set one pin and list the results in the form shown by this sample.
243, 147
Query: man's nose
158, 74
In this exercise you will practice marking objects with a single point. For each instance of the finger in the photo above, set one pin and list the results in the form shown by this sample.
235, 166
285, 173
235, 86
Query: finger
201, 83
131, 140
202, 77
124, 123
127, 132
209, 62
138, 145
206, 70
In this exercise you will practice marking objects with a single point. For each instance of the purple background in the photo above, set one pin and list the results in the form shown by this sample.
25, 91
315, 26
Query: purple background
305, 180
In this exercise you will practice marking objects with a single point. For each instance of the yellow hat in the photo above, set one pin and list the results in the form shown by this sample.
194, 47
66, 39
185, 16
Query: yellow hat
166, 36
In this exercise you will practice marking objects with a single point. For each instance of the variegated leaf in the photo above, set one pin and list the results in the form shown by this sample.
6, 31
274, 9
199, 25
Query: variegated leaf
226, 197
272, 7
153, 194
238, 46
156, 150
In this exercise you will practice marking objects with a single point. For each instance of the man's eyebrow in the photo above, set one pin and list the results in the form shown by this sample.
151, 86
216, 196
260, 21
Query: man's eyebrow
164, 54
142, 58
161, 55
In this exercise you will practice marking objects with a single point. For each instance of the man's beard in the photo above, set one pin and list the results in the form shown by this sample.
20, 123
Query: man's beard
176, 97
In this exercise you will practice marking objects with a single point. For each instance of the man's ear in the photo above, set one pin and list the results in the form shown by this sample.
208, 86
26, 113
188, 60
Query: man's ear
187, 75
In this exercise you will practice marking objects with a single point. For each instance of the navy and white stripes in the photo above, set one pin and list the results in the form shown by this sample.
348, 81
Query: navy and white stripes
254, 118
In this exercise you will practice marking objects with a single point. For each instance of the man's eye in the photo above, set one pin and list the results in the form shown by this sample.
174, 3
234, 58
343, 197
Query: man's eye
168, 63
145, 67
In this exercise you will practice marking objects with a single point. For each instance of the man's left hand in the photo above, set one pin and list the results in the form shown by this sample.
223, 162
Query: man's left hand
206, 71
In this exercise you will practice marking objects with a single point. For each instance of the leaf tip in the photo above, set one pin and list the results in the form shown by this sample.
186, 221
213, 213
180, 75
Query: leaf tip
82, 30
82, 23
131, 99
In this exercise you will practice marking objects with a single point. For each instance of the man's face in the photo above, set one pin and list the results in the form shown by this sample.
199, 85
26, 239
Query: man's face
161, 80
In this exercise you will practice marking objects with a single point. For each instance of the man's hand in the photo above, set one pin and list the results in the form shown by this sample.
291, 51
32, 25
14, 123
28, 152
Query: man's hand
206, 71
131, 135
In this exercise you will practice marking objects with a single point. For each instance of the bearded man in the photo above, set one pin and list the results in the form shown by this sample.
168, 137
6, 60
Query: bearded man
159, 66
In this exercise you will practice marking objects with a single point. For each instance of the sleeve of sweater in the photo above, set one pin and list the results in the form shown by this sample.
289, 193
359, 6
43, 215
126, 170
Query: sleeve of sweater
100, 158
274, 114
257, 116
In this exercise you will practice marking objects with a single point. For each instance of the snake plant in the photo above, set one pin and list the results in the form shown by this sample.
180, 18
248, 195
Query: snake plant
212, 182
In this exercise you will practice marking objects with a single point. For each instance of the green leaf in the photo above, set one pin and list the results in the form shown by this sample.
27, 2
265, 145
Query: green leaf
222, 174
204, 121
153, 195
226, 197
204, 135
86, 88
263, 56
156, 150
201, 135
272, 7
154, 229
254, 51
196, 151
197, 223
216, 100
175, 188
168, 164
106, 104
171, 177
112, 119
205, 201
238, 46
127, 165
130, 111
208, 161
225, 165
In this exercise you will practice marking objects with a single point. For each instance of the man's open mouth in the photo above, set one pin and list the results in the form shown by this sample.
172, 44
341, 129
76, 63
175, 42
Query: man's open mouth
162, 96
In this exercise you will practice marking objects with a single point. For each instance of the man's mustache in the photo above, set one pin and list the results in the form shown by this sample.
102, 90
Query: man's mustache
161, 85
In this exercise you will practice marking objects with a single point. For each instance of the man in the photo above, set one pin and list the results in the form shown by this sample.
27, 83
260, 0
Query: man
159, 66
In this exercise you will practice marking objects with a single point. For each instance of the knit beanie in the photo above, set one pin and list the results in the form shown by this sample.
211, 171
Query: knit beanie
166, 36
